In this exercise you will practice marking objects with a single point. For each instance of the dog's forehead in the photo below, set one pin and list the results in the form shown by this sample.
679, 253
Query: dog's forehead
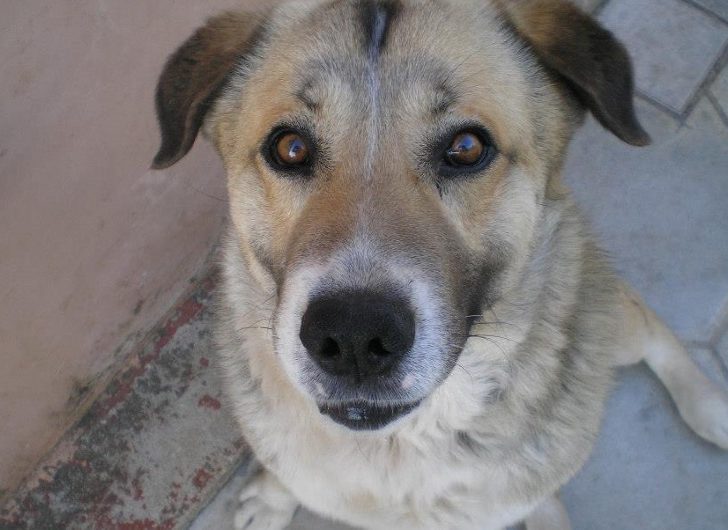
383, 75
442, 48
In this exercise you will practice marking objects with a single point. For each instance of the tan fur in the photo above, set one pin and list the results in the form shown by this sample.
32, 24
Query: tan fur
510, 406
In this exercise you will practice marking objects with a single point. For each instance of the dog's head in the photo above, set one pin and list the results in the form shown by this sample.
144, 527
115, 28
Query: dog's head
388, 163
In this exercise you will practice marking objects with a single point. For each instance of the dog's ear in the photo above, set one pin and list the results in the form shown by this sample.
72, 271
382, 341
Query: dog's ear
193, 77
592, 62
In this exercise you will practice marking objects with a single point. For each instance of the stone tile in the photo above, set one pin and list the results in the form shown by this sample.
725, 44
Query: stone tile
661, 212
673, 45
719, 7
719, 88
723, 348
648, 470
711, 365
305, 520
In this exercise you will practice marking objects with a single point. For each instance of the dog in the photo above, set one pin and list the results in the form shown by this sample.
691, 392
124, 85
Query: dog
416, 329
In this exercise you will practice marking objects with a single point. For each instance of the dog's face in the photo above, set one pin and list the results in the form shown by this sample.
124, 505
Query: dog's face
388, 163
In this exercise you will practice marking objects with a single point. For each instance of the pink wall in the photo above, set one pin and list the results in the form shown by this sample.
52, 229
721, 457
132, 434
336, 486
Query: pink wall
94, 247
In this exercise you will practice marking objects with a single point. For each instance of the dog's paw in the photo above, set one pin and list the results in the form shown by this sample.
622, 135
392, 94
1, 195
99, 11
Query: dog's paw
264, 505
707, 414
255, 514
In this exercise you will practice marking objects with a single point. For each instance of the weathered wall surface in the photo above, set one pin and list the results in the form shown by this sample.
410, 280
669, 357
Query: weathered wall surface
93, 246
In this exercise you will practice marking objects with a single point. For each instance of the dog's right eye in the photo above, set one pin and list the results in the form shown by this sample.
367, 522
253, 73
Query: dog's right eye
289, 150
462, 151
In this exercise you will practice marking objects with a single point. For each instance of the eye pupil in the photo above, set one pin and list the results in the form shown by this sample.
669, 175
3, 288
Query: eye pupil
291, 149
466, 149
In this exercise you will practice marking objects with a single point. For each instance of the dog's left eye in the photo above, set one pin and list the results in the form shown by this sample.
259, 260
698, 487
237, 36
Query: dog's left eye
467, 151
291, 149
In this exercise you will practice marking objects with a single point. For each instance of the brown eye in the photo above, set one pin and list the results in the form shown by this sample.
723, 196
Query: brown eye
291, 149
466, 149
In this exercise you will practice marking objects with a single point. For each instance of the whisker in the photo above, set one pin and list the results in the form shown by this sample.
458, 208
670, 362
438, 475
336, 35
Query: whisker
494, 323
466, 371
494, 337
254, 327
484, 337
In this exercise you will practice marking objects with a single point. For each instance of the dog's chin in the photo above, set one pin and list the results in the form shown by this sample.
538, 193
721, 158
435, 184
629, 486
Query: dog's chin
365, 416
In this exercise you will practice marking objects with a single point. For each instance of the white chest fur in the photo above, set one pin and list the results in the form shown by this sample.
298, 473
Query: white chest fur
416, 475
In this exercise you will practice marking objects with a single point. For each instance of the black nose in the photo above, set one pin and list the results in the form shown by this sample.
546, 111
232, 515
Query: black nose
357, 333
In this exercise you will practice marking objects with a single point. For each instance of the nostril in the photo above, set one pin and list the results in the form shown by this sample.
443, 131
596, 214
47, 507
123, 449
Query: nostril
329, 348
357, 333
376, 347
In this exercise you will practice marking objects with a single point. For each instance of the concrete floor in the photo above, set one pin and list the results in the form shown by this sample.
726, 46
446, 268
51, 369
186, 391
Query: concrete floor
663, 214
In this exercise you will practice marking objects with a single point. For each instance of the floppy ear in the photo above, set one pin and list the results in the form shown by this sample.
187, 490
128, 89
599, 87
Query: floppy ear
193, 77
592, 62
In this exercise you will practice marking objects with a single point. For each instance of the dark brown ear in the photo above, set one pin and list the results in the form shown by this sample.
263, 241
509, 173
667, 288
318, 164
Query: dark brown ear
588, 57
193, 77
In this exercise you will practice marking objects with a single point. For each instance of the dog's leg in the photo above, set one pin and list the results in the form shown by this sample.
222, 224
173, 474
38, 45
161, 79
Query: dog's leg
701, 403
264, 504
549, 515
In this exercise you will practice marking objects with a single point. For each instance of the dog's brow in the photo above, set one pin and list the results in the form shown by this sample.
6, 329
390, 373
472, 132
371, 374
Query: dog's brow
305, 95
444, 98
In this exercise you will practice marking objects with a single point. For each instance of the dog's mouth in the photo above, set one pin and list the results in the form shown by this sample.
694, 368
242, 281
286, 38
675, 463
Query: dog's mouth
364, 416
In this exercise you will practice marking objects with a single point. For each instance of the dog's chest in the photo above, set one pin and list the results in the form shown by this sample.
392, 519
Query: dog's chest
416, 483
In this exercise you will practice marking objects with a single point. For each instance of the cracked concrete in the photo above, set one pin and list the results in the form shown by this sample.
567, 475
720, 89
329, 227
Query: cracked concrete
151, 450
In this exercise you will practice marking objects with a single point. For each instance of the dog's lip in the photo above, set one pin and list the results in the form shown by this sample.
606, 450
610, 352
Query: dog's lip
366, 416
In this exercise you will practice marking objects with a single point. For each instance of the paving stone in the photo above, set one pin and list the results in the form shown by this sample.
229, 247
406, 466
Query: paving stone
673, 44
305, 520
661, 212
719, 7
719, 88
723, 349
649, 471
711, 365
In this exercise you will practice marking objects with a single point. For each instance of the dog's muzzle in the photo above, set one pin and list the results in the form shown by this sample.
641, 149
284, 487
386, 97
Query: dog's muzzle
358, 337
